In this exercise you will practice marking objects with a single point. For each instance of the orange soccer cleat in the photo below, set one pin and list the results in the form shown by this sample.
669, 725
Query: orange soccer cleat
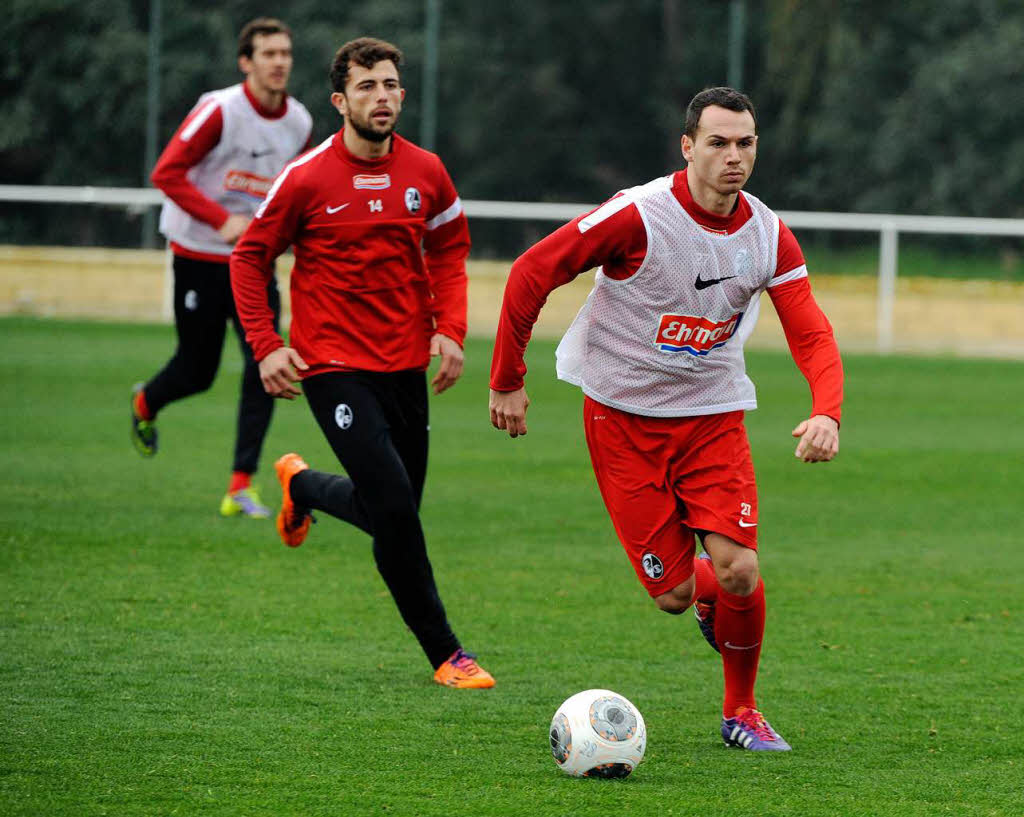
292, 522
463, 672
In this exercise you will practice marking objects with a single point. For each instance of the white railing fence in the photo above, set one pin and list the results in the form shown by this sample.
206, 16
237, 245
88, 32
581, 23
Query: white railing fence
888, 226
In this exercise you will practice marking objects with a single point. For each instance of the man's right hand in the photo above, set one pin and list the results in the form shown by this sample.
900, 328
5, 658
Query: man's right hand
819, 439
278, 372
232, 229
508, 411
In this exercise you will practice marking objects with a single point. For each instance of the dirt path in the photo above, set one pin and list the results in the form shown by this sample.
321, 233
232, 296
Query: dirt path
931, 315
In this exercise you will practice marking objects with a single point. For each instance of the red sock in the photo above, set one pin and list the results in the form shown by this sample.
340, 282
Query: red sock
239, 480
140, 407
739, 628
705, 581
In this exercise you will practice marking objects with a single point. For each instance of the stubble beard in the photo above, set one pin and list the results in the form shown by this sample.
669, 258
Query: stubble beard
370, 134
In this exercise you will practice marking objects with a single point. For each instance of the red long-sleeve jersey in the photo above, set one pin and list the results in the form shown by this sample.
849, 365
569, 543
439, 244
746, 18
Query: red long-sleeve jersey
618, 243
380, 259
179, 156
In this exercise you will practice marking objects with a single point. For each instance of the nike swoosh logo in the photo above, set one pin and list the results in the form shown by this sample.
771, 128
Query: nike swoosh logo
747, 524
734, 647
332, 210
704, 283
257, 154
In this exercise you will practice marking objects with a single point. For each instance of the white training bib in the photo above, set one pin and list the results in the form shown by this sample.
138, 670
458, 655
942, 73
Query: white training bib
668, 341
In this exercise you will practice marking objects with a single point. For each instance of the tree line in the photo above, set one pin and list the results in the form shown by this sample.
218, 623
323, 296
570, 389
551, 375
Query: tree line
866, 106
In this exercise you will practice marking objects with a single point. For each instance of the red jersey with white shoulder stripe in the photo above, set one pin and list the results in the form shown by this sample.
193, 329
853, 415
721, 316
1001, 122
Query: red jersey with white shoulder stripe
222, 160
690, 350
380, 259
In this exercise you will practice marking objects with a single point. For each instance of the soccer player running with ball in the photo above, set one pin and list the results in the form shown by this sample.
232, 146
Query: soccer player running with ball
658, 351
215, 172
378, 288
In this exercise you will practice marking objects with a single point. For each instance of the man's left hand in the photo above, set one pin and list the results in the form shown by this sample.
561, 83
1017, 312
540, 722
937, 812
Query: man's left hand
819, 439
452, 359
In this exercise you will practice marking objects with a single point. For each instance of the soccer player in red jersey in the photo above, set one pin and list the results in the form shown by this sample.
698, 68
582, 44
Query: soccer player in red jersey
215, 172
658, 351
378, 288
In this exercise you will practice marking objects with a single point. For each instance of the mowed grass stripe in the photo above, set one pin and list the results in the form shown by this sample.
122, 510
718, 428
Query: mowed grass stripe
155, 658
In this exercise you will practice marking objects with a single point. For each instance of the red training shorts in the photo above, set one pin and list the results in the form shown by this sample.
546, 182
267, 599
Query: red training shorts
662, 478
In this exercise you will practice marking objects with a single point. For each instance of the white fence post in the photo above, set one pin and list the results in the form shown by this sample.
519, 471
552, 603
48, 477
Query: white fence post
887, 254
167, 304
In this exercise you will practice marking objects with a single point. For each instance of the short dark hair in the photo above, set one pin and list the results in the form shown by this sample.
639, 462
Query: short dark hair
261, 25
364, 51
728, 98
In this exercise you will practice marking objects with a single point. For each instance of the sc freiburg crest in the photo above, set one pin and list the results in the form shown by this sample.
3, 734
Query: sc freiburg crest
343, 416
652, 565
412, 199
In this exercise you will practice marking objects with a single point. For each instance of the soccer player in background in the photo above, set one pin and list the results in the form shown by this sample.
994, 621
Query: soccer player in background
378, 288
658, 352
215, 172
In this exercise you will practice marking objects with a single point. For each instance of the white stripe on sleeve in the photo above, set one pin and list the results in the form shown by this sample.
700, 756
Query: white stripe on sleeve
786, 277
201, 116
606, 210
450, 214
288, 168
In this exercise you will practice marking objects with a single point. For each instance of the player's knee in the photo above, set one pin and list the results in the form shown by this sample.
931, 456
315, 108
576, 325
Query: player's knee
669, 604
396, 510
201, 377
740, 576
676, 600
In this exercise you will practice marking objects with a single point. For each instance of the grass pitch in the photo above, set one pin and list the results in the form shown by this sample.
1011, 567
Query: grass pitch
158, 659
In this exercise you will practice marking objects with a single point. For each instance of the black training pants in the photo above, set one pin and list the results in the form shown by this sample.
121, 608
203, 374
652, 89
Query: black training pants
377, 426
203, 304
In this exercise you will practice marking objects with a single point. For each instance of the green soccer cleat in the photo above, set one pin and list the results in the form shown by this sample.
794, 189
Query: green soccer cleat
244, 502
143, 432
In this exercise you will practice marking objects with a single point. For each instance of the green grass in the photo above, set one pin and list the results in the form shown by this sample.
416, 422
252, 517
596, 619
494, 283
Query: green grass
157, 659
916, 260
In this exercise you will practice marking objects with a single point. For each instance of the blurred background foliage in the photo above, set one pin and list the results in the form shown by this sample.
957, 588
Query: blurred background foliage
867, 106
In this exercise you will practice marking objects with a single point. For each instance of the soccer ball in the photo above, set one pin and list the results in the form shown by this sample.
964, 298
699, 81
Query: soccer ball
598, 733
